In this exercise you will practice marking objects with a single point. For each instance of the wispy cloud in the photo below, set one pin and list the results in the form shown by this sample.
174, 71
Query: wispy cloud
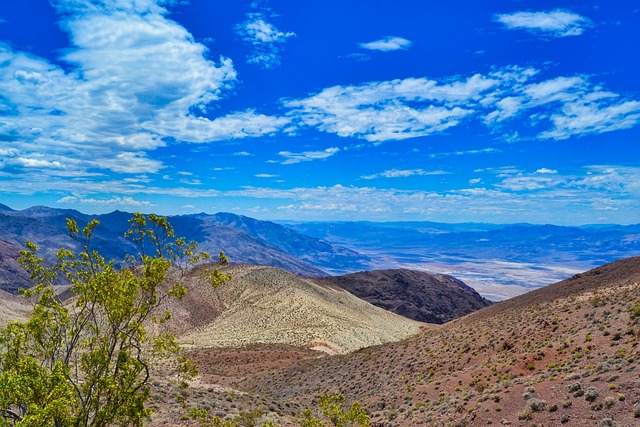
307, 156
517, 196
464, 152
113, 201
414, 107
387, 44
264, 37
403, 173
555, 23
265, 175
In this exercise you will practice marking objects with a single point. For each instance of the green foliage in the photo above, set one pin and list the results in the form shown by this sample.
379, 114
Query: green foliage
333, 412
89, 362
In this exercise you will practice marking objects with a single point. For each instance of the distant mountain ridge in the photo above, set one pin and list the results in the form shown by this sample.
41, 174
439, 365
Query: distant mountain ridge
243, 239
426, 297
499, 261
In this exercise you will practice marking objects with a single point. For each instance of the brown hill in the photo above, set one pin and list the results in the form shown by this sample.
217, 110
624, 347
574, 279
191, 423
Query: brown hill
426, 297
266, 305
562, 355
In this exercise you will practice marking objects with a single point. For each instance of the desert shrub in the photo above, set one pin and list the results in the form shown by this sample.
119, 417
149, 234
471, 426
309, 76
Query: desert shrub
92, 363
333, 412
591, 394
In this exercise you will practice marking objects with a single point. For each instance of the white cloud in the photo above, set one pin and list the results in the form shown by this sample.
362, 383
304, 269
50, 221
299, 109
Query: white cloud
265, 175
554, 23
403, 173
132, 79
547, 171
391, 110
413, 107
582, 118
307, 156
264, 37
114, 201
464, 152
514, 195
387, 44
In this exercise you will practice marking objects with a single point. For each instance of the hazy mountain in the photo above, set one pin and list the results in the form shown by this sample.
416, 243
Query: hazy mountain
242, 239
431, 298
321, 253
499, 261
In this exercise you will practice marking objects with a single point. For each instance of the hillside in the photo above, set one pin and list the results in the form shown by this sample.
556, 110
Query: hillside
12, 308
564, 354
426, 297
12, 275
266, 305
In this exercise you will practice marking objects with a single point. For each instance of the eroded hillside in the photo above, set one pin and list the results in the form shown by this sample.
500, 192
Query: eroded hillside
266, 305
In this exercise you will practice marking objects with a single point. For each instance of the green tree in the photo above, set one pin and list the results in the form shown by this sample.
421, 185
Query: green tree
89, 362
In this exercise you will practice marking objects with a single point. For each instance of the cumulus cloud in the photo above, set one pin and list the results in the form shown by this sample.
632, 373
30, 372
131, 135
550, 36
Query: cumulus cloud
554, 23
264, 38
391, 110
133, 78
307, 156
387, 44
413, 107
403, 173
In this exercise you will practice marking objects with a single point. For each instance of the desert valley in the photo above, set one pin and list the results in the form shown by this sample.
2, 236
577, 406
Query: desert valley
286, 213
414, 348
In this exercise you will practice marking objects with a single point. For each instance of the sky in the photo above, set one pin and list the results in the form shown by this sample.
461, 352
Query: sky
405, 110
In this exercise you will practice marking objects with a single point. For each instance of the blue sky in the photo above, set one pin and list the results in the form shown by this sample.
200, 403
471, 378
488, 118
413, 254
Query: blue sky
491, 111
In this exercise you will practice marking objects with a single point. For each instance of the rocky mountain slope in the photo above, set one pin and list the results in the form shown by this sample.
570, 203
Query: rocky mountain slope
12, 275
321, 253
426, 297
566, 354
243, 240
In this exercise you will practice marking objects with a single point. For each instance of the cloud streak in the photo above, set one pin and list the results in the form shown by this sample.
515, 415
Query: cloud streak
307, 156
403, 173
387, 44
555, 23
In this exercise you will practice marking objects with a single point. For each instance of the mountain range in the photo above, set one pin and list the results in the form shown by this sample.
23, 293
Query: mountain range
242, 239
499, 261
